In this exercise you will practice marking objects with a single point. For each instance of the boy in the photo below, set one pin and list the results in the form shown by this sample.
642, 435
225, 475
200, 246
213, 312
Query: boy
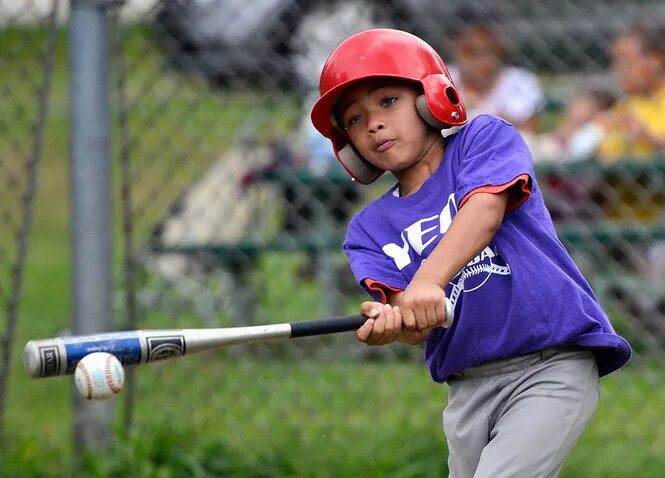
465, 220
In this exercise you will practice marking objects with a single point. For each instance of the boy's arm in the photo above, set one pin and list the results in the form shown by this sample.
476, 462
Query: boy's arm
472, 229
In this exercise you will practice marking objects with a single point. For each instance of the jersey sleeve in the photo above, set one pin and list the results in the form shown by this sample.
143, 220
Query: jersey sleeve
378, 290
494, 158
373, 270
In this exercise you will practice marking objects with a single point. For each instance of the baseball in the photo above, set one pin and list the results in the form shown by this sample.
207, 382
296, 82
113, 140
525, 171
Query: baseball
99, 376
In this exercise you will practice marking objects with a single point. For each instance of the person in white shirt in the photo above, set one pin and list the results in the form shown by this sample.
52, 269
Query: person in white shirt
487, 83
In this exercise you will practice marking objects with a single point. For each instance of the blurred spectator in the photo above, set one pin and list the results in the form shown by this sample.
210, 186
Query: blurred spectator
303, 165
635, 126
306, 191
634, 129
576, 136
583, 108
487, 83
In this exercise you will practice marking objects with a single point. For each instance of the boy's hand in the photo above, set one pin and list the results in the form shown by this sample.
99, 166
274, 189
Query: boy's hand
423, 305
385, 326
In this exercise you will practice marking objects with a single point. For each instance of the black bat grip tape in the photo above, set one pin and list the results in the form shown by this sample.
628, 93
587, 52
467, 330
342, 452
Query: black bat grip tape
346, 323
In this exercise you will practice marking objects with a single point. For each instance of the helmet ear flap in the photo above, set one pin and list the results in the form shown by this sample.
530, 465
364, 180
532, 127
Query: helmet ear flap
358, 167
441, 105
426, 114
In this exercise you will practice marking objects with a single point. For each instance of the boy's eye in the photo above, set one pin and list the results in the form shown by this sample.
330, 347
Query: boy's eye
353, 120
388, 101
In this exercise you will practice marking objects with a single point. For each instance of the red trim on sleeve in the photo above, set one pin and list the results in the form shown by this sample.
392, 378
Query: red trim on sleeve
518, 194
381, 288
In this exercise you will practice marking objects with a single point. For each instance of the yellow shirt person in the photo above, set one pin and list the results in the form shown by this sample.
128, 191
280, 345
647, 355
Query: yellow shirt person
634, 129
631, 127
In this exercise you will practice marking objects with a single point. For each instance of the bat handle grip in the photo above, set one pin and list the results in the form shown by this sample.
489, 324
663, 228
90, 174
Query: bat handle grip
305, 328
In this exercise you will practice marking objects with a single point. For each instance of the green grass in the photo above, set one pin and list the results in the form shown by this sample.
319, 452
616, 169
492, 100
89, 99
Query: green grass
218, 415
254, 411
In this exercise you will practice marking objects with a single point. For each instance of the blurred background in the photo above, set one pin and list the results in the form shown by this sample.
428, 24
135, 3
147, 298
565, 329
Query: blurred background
221, 206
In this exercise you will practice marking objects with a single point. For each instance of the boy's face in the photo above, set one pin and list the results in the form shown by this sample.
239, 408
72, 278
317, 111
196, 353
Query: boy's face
381, 120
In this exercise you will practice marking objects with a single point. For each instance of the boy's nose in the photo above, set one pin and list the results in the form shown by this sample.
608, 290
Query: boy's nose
375, 126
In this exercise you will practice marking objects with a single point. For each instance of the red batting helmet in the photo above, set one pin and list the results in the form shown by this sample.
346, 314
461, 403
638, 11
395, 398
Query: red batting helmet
384, 53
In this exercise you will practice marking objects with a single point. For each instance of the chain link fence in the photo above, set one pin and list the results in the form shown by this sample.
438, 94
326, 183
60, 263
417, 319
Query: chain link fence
231, 211
27, 63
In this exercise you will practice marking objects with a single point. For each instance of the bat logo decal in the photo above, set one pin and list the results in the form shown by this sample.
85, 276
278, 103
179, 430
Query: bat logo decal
50, 360
160, 348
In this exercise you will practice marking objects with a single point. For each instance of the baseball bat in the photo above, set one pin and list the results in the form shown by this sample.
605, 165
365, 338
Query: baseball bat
59, 355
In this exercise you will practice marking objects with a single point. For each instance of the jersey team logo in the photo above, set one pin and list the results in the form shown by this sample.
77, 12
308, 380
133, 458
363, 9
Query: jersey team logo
480, 269
477, 273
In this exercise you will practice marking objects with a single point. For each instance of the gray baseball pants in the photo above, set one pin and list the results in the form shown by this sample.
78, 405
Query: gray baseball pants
519, 417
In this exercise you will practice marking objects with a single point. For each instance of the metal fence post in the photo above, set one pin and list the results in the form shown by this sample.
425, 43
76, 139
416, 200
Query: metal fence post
91, 201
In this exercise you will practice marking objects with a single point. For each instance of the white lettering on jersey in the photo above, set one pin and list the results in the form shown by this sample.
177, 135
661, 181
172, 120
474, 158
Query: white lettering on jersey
484, 254
418, 235
446, 216
399, 254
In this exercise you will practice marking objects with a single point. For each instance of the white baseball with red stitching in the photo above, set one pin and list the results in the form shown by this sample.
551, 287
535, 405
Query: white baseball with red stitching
99, 376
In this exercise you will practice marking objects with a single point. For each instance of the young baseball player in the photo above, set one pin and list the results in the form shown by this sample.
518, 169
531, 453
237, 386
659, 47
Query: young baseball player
466, 221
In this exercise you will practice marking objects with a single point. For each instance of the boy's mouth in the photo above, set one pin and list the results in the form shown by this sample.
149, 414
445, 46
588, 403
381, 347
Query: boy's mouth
384, 145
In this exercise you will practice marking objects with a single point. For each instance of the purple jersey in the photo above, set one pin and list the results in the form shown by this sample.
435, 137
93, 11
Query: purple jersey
521, 294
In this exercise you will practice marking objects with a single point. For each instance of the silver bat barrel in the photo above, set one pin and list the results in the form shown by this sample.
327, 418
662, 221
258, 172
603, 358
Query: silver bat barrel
59, 356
